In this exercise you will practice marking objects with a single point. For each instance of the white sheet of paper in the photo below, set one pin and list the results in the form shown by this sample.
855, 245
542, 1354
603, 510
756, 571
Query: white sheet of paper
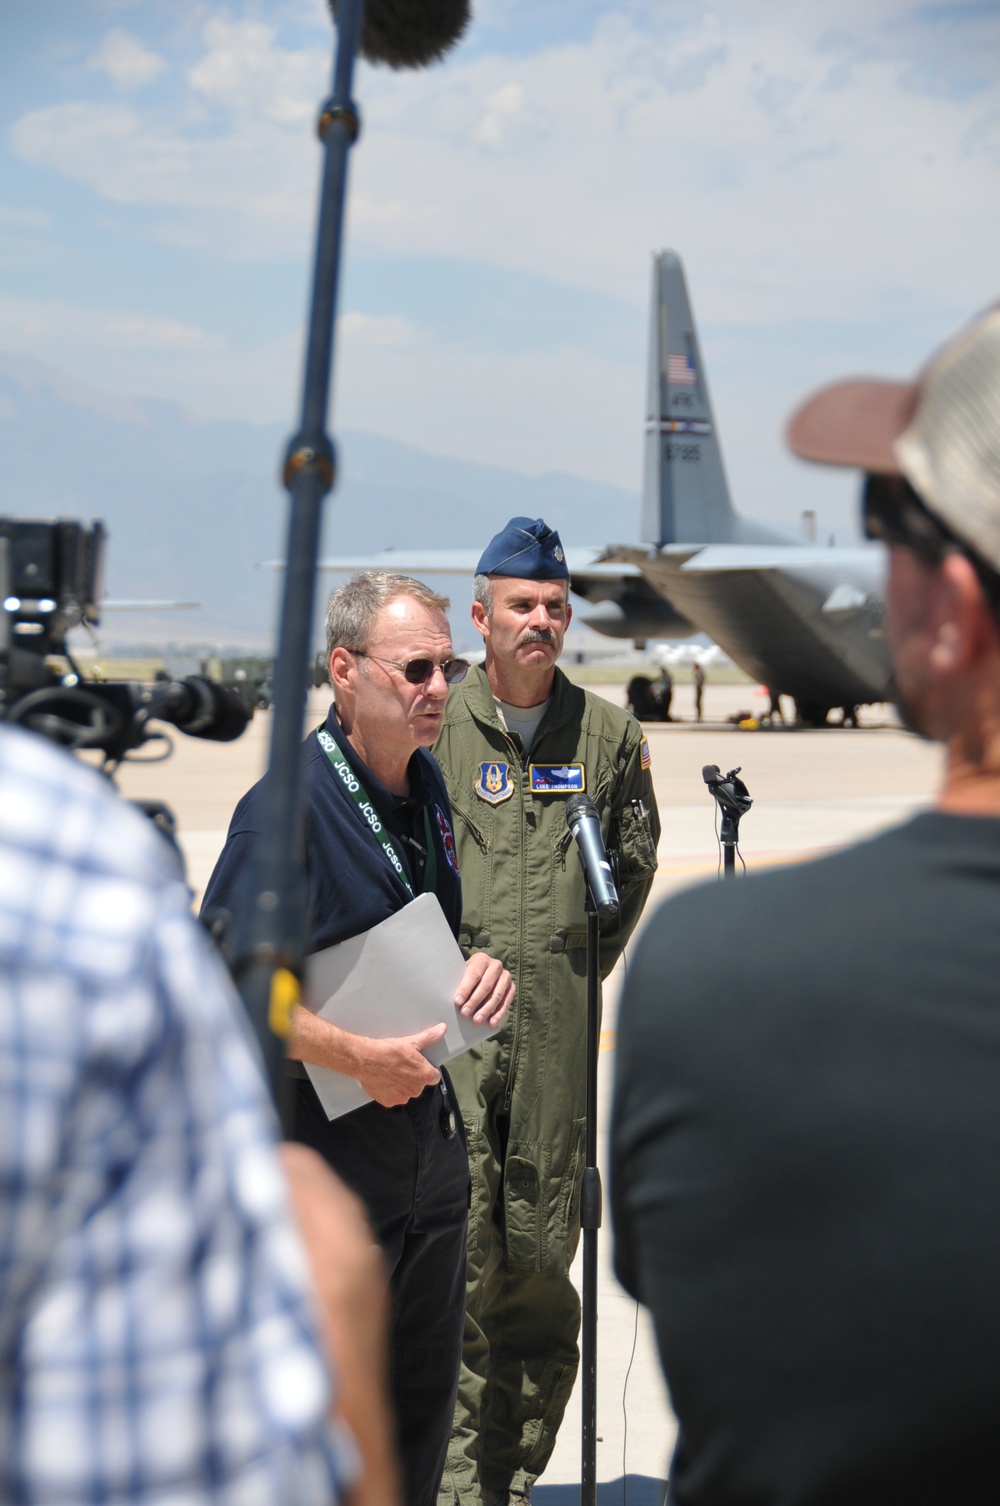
396, 979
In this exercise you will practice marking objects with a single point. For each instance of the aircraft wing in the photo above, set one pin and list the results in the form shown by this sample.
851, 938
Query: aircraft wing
582, 561
620, 601
123, 605
721, 558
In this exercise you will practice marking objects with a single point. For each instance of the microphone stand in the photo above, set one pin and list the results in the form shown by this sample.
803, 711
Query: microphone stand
268, 940
590, 1218
733, 799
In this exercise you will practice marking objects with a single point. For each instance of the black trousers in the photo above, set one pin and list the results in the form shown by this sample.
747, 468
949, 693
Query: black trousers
414, 1182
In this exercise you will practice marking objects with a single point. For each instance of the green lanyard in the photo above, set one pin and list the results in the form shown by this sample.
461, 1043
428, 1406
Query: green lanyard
356, 790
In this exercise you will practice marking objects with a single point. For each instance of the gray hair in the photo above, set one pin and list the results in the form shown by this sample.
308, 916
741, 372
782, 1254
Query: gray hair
482, 591
353, 608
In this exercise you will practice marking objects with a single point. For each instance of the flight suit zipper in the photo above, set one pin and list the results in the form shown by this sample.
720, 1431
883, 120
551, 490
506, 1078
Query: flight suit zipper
520, 763
473, 829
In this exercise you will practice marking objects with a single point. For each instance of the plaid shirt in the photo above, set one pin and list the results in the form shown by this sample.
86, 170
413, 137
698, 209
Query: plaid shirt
156, 1340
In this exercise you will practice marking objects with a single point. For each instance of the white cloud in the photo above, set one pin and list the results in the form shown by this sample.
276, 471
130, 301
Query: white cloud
44, 327
800, 197
126, 61
822, 168
508, 117
791, 155
243, 71
381, 331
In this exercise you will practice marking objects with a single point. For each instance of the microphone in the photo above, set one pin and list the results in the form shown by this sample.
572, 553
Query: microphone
731, 793
410, 33
585, 824
201, 708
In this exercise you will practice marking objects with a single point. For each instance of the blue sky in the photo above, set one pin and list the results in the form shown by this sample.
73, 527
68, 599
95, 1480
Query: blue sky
830, 175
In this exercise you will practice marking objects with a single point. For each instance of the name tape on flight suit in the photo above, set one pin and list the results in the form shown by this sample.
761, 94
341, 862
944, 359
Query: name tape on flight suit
557, 778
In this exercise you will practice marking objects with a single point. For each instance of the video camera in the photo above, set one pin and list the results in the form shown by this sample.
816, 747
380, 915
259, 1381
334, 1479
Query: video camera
50, 582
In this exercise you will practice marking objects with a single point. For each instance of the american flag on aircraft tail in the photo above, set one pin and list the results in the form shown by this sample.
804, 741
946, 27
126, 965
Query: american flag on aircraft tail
680, 371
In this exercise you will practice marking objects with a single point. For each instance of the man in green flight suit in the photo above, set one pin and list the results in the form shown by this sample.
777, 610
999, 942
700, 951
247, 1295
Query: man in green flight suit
517, 739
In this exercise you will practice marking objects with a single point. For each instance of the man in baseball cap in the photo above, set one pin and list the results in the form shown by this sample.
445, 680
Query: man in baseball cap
806, 1170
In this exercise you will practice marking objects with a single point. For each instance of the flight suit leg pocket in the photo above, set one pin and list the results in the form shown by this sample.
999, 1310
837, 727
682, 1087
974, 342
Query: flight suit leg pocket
566, 1234
524, 1214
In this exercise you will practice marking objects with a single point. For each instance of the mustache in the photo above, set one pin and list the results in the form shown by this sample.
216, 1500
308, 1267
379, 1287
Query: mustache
537, 635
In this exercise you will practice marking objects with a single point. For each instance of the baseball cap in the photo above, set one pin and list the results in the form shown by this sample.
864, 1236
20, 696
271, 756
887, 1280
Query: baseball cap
941, 431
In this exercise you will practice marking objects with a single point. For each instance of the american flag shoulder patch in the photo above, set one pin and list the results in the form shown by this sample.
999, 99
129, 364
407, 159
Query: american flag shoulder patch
644, 753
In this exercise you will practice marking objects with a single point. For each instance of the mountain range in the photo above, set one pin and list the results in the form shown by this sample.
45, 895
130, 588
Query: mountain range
194, 506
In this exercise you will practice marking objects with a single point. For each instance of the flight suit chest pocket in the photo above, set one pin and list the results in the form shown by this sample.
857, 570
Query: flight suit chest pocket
634, 839
524, 1212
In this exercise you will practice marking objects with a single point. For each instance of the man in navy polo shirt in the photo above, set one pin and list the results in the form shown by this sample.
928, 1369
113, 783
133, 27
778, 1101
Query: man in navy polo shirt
391, 663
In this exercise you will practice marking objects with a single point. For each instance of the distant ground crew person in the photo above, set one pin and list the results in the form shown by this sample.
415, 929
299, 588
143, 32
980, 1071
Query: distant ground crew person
517, 739
699, 689
663, 692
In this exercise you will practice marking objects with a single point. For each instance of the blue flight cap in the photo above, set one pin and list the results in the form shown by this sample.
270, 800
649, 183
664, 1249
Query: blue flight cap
527, 549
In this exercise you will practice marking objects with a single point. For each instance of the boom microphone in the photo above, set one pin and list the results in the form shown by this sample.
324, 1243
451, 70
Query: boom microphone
201, 708
410, 33
585, 824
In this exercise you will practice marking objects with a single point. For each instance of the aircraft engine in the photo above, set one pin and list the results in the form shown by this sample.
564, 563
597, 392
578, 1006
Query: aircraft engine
640, 618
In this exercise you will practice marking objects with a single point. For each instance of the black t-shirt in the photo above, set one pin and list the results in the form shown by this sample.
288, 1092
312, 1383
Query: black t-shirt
806, 1173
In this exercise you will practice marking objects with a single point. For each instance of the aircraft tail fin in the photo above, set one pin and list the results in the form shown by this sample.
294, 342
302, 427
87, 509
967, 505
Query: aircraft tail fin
685, 493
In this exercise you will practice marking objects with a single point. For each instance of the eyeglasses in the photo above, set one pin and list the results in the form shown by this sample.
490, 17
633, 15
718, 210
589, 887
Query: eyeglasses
419, 671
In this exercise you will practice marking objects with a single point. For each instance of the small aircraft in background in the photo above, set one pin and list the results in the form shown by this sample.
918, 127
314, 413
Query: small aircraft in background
802, 619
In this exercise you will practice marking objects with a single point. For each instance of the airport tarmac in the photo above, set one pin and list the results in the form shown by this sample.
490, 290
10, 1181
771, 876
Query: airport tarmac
812, 791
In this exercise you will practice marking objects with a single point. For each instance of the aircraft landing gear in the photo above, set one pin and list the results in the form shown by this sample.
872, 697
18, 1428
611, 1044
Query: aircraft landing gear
814, 714
811, 713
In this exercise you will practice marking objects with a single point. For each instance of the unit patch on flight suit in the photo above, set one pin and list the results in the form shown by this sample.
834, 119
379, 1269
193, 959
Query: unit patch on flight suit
493, 784
557, 778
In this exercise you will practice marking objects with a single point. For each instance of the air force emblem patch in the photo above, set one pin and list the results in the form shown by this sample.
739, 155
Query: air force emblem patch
493, 784
557, 778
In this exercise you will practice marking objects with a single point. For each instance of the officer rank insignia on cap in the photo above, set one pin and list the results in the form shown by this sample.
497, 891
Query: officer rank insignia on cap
493, 784
557, 778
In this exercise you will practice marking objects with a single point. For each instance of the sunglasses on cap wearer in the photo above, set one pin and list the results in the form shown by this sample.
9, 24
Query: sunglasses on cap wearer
419, 671
894, 513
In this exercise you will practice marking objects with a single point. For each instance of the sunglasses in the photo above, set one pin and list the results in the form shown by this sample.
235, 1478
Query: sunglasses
419, 671
894, 513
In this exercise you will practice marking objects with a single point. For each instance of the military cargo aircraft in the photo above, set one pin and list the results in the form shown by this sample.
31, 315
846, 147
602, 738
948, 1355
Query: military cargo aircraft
802, 619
